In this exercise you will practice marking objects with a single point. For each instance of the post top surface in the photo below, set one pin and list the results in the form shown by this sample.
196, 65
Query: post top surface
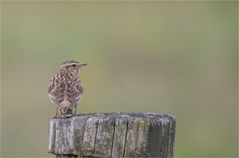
122, 115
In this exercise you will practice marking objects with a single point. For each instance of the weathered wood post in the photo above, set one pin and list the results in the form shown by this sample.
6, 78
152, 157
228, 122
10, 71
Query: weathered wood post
115, 135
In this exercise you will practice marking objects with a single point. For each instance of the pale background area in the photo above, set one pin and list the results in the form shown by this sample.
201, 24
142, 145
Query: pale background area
165, 57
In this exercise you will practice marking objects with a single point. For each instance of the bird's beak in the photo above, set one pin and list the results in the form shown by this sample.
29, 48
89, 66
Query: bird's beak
82, 65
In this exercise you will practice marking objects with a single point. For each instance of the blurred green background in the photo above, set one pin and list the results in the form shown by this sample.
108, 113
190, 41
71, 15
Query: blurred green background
166, 57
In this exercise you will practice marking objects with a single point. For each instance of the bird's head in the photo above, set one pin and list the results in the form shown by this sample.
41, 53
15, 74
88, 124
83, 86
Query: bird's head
72, 66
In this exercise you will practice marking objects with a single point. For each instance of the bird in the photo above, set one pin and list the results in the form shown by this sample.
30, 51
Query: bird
65, 89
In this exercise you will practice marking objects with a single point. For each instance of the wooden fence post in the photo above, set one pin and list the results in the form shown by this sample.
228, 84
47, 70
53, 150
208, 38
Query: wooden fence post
115, 135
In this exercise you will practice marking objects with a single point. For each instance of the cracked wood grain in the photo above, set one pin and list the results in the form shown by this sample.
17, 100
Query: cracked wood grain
112, 135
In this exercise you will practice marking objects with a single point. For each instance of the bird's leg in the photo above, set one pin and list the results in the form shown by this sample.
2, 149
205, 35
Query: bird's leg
57, 110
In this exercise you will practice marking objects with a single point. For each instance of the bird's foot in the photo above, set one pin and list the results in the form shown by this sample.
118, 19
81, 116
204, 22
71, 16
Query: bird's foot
55, 116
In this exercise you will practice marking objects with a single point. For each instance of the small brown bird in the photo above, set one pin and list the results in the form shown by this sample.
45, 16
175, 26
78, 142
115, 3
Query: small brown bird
64, 89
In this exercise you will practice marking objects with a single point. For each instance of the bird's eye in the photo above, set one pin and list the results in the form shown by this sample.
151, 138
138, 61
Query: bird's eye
74, 65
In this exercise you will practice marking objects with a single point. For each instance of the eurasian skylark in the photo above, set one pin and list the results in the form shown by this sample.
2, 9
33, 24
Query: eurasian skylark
65, 90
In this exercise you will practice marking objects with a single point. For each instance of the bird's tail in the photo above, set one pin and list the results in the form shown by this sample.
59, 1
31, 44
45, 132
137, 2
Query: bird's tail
66, 105
64, 110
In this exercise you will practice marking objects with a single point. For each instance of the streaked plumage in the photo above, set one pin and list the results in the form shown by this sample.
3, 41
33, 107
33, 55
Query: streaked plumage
65, 88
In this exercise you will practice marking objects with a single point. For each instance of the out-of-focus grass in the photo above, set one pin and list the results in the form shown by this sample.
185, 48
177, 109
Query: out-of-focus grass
167, 57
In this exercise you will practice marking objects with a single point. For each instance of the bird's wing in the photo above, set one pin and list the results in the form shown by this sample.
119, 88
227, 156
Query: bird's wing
75, 91
79, 88
51, 84
55, 89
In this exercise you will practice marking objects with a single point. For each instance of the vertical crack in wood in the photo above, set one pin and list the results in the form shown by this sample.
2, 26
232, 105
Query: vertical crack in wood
91, 128
134, 148
137, 137
113, 139
75, 142
169, 139
78, 130
172, 137
125, 140
62, 138
52, 137
97, 124
165, 136
153, 139
119, 137
82, 139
